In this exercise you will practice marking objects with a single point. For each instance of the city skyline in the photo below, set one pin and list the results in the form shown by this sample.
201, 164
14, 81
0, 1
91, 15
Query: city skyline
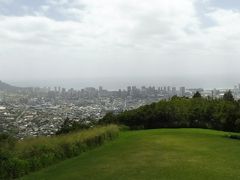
113, 84
159, 88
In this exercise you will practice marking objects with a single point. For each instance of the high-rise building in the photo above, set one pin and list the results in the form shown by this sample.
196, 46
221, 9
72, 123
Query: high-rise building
134, 91
119, 92
143, 88
63, 90
235, 91
92, 92
165, 88
168, 88
214, 93
182, 91
174, 91
129, 89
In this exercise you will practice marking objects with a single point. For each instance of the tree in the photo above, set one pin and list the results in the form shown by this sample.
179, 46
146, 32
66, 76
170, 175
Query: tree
197, 95
71, 126
7, 141
65, 128
108, 118
228, 96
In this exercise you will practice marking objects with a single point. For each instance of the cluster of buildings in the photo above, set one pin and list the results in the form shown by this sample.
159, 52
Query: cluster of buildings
134, 92
42, 111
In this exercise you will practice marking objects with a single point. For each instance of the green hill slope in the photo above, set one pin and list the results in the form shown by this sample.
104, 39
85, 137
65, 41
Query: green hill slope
154, 154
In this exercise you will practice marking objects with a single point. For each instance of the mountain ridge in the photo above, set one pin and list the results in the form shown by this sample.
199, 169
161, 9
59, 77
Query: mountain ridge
8, 88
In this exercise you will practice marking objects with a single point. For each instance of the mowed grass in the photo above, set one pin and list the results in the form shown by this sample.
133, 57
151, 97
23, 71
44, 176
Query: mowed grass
154, 154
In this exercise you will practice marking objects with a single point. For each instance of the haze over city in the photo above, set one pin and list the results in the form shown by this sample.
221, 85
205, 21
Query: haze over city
79, 43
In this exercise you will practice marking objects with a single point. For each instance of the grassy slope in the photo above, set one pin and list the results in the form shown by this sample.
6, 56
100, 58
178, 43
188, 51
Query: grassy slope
154, 154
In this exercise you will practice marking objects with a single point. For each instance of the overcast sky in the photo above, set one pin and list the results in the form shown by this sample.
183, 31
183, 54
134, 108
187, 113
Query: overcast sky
196, 42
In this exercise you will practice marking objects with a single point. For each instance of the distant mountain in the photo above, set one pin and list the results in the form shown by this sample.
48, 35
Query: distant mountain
8, 88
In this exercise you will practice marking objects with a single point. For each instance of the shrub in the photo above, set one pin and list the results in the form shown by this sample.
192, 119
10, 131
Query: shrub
35, 153
234, 136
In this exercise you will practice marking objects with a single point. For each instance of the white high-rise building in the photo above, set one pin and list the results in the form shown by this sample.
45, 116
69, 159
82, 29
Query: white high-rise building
174, 91
182, 91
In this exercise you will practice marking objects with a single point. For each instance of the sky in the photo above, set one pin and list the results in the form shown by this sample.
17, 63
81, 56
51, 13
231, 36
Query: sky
118, 42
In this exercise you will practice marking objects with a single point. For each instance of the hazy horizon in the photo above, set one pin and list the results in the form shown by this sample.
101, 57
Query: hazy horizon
122, 83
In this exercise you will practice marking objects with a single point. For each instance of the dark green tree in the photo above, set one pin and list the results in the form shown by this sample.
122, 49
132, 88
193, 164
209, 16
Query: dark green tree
220, 114
108, 118
228, 96
65, 128
71, 126
197, 95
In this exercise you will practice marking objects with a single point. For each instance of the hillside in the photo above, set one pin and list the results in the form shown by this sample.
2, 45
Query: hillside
8, 88
154, 154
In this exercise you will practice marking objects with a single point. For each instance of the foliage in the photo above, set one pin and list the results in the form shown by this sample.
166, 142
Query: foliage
35, 153
234, 136
71, 126
197, 95
228, 96
7, 141
220, 114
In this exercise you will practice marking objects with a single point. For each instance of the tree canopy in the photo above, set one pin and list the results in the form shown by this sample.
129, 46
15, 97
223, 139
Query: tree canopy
197, 95
220, 114
228, 96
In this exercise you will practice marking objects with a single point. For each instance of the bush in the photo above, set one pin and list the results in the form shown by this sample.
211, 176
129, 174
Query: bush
35, 153
72, 126
234, 136
7, 141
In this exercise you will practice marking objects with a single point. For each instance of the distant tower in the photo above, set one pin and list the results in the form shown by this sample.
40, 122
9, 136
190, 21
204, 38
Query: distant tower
168, 88
129, 89
214, 93
182, 91
134, 91
165, 88
174, 91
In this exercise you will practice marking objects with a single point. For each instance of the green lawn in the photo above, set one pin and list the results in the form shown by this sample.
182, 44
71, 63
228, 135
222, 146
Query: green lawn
154, 154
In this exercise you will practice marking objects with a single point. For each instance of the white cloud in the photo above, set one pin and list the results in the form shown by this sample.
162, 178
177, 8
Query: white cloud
110, 38
6, 1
